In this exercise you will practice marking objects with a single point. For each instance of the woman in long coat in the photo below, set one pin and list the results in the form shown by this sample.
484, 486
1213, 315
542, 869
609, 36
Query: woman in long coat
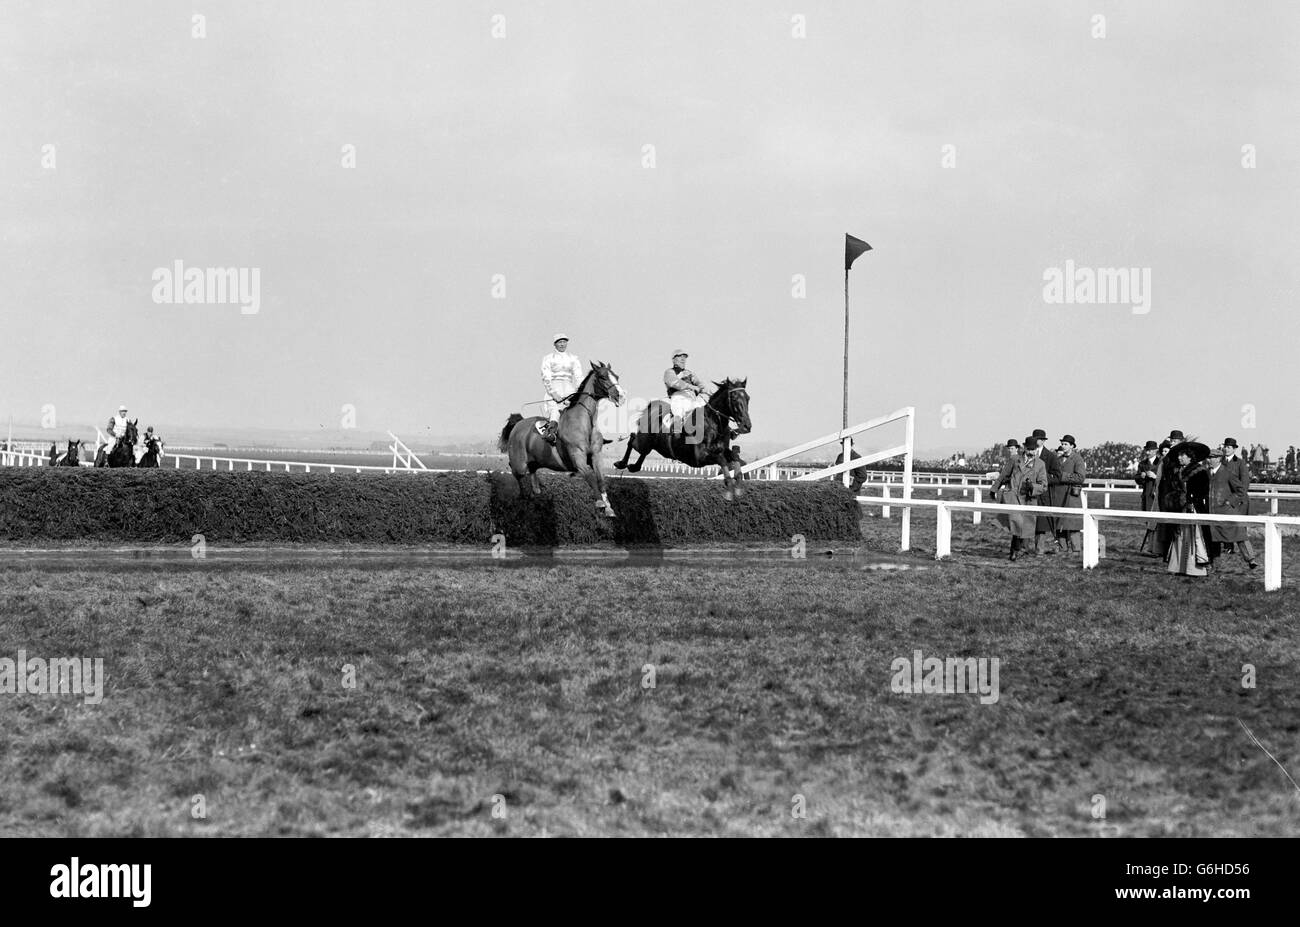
1068, 492
1022, 479
1187, 489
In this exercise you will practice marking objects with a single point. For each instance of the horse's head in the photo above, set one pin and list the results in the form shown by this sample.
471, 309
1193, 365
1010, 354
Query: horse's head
131, 433
605, 383
732, 399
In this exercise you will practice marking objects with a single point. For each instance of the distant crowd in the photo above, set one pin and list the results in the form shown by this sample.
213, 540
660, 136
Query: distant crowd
1177, 475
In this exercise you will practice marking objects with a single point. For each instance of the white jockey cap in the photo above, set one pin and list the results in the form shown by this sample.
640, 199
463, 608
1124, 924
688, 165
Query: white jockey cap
560, 336
122, 407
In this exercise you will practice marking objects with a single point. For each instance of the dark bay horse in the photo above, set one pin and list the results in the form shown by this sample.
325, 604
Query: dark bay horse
73, 457
704, 438
152, 450
577, 444
124, 453
54, 453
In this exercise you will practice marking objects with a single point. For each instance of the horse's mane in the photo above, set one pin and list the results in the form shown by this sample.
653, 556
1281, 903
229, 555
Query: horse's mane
595, 365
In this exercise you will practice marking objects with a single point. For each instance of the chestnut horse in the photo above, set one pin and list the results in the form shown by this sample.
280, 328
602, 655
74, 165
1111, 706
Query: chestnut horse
577, 443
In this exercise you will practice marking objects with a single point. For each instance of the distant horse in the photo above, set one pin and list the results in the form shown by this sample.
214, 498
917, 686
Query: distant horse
152, 451
123, 453
706, 442
73, 456
577, 443
54, 453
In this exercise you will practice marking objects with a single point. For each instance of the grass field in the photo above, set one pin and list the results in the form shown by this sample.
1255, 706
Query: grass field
521, 688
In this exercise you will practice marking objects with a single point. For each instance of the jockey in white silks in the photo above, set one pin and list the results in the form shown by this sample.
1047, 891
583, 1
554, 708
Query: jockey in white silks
116, 429
561, 374
686, 391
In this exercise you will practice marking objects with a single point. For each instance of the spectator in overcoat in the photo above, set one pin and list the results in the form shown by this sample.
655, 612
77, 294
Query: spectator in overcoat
1021, 481
1045, 526
1227, 496
1068, 492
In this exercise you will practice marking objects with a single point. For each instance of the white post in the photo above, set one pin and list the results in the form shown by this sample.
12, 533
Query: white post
1272, 556
943, 536
1091, 551
979, 499
847, 475
1272, 504
884, 493
1105, 500
908, 442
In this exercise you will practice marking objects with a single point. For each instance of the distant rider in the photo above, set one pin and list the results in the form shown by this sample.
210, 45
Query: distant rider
116, 429
561, 374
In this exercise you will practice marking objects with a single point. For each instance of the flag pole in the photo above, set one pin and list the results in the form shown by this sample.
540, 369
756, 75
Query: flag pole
845, 423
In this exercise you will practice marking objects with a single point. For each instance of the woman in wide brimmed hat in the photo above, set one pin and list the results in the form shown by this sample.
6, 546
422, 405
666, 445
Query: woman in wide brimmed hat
1185, 487
1022, 479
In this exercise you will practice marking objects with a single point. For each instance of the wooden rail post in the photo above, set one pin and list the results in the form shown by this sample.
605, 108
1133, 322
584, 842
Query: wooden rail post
943, 535
979, 498
1091, 548
1272, 556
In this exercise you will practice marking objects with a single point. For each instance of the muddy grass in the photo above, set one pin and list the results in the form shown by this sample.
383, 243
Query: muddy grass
524, 689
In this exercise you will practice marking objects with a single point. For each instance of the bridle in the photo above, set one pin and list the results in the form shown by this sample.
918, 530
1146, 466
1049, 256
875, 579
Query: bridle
576, 397
727, 414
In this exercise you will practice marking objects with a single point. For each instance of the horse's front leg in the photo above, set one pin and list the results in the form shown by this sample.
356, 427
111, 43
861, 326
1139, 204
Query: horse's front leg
730, 489
591, 473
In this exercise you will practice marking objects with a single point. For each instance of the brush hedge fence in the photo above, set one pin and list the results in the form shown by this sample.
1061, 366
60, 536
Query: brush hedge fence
155, 506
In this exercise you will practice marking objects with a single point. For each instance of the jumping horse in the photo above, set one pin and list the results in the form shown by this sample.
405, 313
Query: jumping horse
577, 443
706, 442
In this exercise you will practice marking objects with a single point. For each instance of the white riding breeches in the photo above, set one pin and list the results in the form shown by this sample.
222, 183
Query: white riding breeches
683, 403
553, 407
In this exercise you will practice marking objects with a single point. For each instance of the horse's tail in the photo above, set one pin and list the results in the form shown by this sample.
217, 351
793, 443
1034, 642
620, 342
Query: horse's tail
503, 443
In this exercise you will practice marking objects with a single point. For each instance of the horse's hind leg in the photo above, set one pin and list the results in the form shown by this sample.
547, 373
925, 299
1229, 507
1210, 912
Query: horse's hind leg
627, 452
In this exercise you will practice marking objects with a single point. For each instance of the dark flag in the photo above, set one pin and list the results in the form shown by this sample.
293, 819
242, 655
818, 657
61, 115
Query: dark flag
853, 247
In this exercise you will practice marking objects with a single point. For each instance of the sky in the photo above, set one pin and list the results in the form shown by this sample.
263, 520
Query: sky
519, 161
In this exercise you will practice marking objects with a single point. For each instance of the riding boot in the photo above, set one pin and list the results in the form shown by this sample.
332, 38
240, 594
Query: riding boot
1015, 547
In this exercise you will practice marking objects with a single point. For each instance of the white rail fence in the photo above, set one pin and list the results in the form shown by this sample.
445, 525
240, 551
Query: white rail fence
1091, 550
844, 438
